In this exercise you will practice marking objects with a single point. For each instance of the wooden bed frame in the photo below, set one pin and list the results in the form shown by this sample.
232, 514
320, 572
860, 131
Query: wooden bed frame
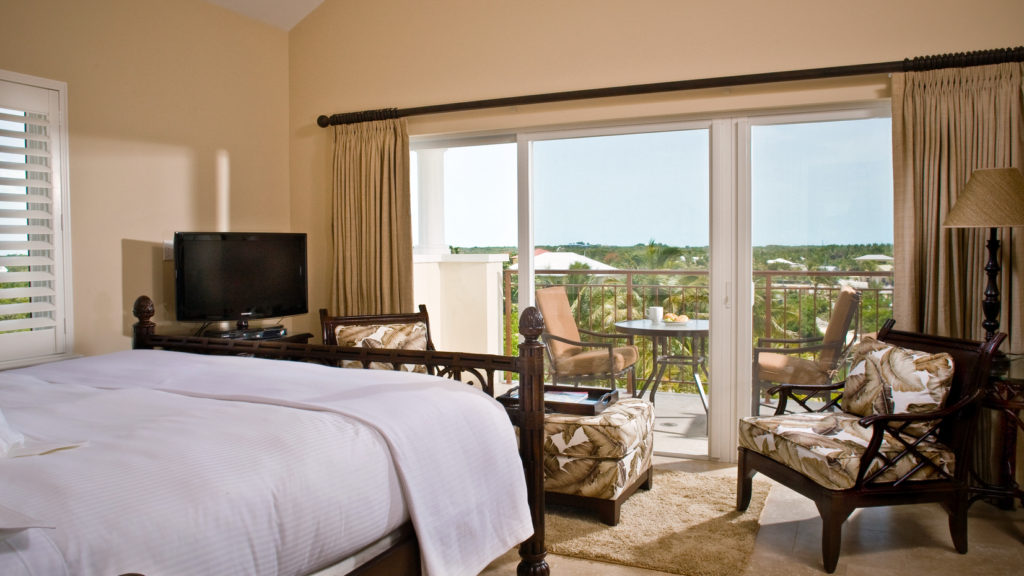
403, 557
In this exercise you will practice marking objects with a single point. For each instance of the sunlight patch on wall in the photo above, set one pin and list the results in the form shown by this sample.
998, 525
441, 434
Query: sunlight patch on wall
222, 175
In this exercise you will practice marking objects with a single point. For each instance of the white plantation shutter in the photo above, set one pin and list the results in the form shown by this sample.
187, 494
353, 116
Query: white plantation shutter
34, 270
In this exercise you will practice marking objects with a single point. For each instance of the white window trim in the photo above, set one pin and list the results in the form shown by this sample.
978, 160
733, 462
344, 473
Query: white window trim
61, 222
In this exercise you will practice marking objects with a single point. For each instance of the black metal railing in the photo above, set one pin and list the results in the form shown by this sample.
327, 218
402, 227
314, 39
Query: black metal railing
786, 303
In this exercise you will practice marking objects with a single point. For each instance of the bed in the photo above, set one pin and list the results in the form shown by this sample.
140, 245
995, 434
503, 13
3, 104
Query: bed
211, 456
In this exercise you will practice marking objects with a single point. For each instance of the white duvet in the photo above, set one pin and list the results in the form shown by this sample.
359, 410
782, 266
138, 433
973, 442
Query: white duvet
172, 463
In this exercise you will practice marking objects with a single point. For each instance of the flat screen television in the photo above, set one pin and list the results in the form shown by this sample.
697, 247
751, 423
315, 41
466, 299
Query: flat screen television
239, 276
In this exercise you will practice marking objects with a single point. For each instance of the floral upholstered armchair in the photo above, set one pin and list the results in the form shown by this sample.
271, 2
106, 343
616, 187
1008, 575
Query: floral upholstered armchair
394, 331
897, 431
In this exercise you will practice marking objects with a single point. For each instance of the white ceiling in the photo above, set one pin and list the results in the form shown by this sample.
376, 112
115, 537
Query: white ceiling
282, 14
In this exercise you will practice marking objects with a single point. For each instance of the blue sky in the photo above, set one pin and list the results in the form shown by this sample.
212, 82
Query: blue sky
813, 183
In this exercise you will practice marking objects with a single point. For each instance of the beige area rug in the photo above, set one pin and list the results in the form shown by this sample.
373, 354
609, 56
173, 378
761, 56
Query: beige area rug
686, 524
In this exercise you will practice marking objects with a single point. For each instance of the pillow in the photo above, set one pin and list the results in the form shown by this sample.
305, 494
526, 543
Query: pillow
411, 336
887, 379
9, 437
12, 522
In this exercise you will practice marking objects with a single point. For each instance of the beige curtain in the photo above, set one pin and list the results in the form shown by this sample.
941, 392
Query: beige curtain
372, 224
947, 123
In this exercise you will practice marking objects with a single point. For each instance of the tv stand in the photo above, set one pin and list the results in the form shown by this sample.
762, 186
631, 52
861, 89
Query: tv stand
245, 333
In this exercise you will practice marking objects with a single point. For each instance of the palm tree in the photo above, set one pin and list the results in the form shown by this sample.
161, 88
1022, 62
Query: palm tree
659, 256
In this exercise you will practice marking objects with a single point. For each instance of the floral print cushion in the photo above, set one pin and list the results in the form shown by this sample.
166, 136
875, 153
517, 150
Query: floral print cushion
411, 336
598, 456
406, 336
827, 448
887, 379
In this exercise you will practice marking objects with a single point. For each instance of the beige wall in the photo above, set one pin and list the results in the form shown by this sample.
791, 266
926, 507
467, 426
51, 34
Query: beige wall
162, 92
351, 55
164, 98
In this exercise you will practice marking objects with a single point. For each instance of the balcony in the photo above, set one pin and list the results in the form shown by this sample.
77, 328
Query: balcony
786, 304
472, 301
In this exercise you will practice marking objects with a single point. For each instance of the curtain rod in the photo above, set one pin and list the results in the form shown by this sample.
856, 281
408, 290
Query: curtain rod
921, 63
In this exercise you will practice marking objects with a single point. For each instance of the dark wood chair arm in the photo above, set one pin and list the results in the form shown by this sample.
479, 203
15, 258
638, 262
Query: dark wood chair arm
586, 343
896, 424
884, 419
791, 388
628, 337
608, 346
765, 341
580, 343
794, 350
787, 391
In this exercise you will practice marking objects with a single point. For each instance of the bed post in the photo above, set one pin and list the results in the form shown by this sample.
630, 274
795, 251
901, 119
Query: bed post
144, 309
531, 439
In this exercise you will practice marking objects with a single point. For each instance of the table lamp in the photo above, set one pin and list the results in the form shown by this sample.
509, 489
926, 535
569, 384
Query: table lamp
993, 198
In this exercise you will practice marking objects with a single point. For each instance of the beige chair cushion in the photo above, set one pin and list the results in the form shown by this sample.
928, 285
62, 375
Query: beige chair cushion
789, 369
597, 362
827, 447
600, 455
886, 379
410, 336
838, 325
553, 304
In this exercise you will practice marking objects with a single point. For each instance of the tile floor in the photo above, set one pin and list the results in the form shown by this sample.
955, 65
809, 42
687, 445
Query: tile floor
901, 540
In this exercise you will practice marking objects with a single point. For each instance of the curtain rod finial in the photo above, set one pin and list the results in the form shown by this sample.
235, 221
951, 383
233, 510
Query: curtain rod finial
323, 121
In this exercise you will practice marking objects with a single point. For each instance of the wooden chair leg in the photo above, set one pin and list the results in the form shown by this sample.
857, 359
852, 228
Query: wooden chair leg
608, 512
744, 482
832, 518
958, 521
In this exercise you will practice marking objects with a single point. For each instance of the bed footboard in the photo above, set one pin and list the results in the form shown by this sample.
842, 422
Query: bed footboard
528, 415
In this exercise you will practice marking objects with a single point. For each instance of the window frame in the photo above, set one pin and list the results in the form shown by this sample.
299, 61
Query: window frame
730, 353
60, 222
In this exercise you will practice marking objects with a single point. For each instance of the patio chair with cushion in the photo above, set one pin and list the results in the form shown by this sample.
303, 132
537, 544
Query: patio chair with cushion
572, 359
899, 430
784, 361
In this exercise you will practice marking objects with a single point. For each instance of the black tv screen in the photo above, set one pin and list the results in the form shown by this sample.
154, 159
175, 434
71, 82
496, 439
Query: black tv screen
239, 276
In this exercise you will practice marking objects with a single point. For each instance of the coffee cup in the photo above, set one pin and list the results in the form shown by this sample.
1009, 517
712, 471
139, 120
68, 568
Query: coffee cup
655, 313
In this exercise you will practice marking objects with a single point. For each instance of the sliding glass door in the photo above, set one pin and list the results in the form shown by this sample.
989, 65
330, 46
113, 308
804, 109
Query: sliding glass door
821, 221
749, 225
620, 219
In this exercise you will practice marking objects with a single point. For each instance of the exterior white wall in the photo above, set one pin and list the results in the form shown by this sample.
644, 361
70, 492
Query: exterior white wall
462, 293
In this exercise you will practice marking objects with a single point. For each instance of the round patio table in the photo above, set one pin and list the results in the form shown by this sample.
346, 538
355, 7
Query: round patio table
660, 333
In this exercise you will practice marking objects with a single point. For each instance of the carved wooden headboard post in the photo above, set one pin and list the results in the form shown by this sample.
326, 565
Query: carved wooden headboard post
144, 309
531, 438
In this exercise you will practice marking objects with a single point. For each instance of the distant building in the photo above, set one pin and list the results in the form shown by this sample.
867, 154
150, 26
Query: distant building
887, 261
547, 260
792, 265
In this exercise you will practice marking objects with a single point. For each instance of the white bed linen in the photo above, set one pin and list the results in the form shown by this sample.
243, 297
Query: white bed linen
451, 446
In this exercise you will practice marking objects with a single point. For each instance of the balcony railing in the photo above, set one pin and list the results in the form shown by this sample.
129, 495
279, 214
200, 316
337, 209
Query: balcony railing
786, 303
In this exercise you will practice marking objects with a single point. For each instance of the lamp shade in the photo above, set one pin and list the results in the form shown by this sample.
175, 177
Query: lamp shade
993, 198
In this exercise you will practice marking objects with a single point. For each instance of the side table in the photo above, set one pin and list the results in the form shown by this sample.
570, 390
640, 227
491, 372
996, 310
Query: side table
1004, 401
